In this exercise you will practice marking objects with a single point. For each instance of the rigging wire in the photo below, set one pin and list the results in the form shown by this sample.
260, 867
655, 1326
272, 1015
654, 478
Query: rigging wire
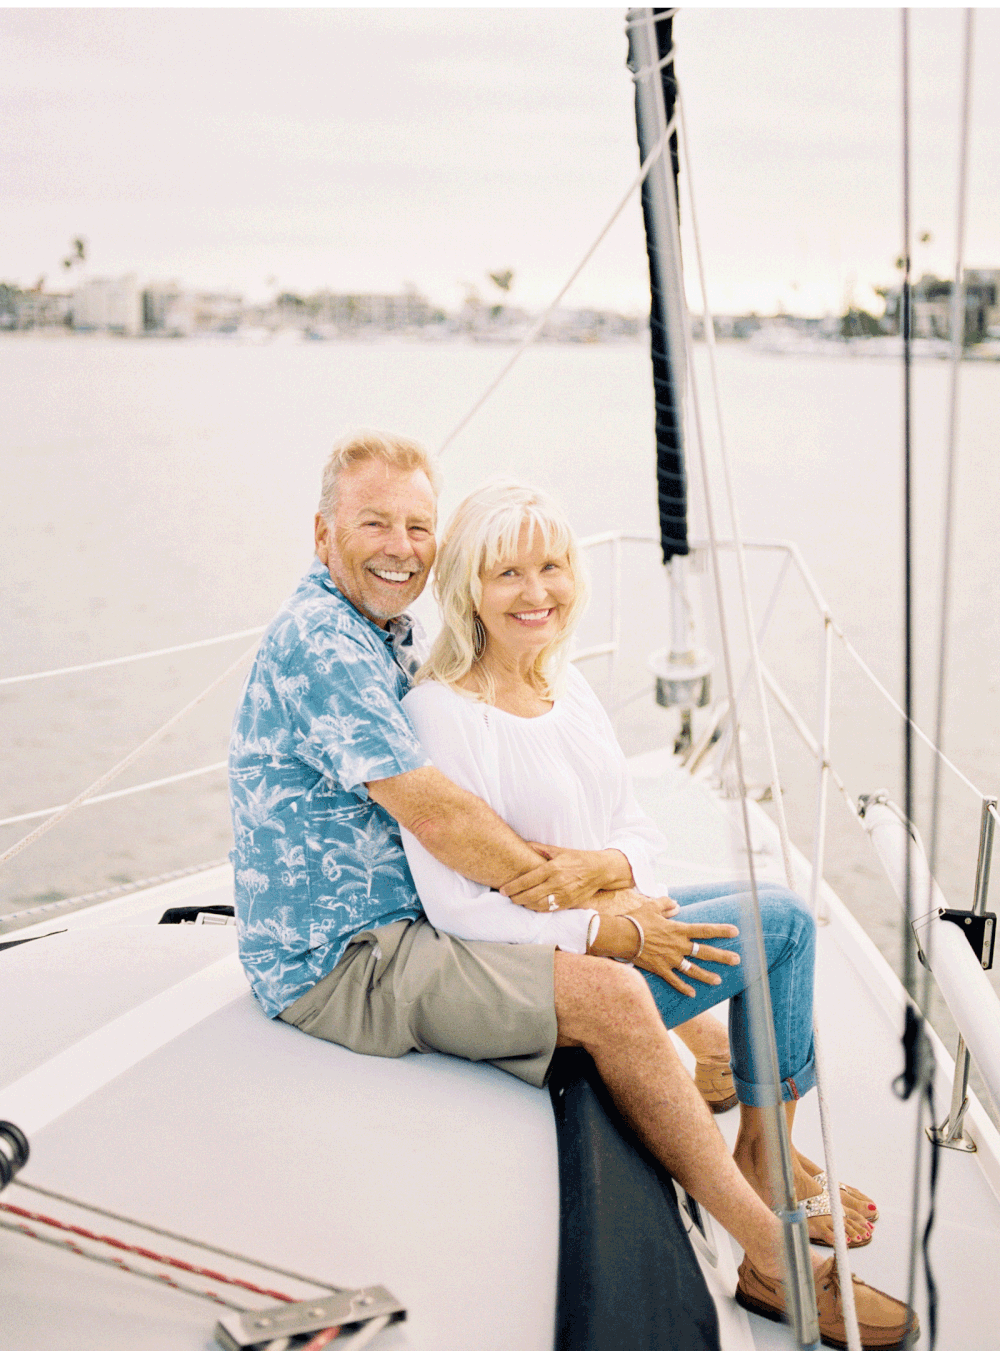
541, 321
836, 1203
925, 1080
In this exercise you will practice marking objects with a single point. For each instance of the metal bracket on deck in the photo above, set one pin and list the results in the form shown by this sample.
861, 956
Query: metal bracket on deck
258, 1327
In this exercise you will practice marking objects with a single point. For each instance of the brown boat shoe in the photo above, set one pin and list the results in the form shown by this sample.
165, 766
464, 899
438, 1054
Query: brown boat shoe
884, 1322
713, 1078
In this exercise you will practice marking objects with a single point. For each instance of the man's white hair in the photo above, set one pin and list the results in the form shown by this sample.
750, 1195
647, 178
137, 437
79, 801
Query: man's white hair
368, 444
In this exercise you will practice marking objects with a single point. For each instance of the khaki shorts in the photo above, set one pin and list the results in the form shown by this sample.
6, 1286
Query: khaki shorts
407, 987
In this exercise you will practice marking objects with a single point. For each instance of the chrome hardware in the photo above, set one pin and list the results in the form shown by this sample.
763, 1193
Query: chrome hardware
951, 1134
256, 1327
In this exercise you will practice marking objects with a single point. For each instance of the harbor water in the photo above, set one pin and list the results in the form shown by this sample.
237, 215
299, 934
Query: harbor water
159, 492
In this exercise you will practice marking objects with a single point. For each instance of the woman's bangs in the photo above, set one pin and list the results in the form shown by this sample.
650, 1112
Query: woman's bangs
504, 534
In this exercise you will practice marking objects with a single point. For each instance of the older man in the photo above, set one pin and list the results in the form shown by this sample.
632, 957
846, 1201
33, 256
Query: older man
324, 767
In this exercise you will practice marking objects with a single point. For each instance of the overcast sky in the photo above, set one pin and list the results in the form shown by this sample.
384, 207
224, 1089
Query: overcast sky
362, 149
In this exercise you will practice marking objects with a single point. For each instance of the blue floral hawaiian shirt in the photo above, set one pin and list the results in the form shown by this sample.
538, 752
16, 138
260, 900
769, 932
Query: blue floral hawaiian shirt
316, 860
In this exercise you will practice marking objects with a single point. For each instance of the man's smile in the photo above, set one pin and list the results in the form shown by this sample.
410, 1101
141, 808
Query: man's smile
385, 575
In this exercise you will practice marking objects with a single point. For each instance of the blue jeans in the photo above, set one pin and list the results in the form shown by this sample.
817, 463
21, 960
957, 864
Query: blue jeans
790, 946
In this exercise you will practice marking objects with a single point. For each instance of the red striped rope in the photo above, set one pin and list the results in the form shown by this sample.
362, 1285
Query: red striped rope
120, 1265
147, 1253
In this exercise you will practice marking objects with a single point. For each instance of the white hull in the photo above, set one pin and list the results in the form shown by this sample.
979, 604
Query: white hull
428, 1175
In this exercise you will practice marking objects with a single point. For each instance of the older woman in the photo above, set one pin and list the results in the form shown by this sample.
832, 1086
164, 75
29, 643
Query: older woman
502, 713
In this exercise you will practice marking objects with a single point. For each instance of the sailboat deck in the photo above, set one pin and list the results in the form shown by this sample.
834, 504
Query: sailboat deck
431, 1176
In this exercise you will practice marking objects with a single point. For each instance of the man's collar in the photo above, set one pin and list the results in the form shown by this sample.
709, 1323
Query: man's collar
397, 633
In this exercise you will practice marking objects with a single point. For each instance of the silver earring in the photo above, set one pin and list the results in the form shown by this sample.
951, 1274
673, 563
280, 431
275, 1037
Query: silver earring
478, 638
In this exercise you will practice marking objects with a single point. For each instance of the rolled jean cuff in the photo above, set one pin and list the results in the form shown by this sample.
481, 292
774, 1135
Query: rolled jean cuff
763, 1095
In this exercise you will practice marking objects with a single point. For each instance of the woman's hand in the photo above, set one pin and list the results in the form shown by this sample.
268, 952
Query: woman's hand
568, 879
669, 942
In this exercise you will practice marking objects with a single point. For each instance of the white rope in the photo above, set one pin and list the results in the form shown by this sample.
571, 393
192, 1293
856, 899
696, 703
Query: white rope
135, 656
957, 343
119, 792
539, 323
836, 1204
947, 545
122, 765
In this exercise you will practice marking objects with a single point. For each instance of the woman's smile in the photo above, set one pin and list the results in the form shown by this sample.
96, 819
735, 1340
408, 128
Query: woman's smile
525, 596
533, 617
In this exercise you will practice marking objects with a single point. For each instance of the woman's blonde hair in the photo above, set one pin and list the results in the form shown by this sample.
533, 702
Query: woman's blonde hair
483, 531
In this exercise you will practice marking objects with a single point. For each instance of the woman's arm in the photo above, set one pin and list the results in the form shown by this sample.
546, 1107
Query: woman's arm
455, 739
458, 906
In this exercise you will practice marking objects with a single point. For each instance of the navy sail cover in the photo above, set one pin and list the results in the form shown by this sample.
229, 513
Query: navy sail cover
668, 367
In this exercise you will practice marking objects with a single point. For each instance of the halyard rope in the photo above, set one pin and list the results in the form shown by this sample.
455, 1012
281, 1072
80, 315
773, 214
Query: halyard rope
836, 1205
20, 1227
540, 322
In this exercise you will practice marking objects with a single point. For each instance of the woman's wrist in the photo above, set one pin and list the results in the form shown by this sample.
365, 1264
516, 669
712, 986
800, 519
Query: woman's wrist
619, 871
618, 936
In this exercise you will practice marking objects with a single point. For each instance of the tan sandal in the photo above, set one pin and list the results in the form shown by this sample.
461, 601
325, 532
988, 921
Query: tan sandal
714, 1081
884, 1323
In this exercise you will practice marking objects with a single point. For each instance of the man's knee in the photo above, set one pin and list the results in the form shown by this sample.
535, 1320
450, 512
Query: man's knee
596, 997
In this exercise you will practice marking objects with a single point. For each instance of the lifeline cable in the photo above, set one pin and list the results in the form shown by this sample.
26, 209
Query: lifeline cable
122, 765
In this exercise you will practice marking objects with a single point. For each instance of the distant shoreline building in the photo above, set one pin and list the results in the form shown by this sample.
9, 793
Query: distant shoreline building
931, 302
108, 305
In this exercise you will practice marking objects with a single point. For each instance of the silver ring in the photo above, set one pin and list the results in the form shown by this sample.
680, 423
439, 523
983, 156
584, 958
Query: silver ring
685, 965
694, 950
552, 901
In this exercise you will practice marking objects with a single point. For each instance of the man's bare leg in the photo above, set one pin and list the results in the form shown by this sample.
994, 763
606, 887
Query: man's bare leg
607, 1009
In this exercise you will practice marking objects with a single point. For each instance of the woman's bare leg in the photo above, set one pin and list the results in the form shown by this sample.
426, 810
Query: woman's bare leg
750, 1158
705, 1037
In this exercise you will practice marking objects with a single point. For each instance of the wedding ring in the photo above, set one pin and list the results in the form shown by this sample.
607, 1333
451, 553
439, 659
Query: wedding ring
552, 901
685, 965
694, 950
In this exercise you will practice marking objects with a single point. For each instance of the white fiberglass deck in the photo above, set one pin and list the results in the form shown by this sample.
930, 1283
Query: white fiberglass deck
428, 1175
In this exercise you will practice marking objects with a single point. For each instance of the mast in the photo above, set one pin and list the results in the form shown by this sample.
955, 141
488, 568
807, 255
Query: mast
682, 670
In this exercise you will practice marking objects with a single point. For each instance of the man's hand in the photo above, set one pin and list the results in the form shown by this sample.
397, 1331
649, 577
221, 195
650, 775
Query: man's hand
572, 878
628, 901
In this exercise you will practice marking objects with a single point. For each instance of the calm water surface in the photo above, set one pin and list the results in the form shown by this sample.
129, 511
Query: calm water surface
162, 492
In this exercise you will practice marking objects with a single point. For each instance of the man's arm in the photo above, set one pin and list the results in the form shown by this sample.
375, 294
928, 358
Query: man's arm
461, 831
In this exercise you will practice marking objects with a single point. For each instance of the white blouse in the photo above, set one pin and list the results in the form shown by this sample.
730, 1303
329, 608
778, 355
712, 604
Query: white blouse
558, 779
